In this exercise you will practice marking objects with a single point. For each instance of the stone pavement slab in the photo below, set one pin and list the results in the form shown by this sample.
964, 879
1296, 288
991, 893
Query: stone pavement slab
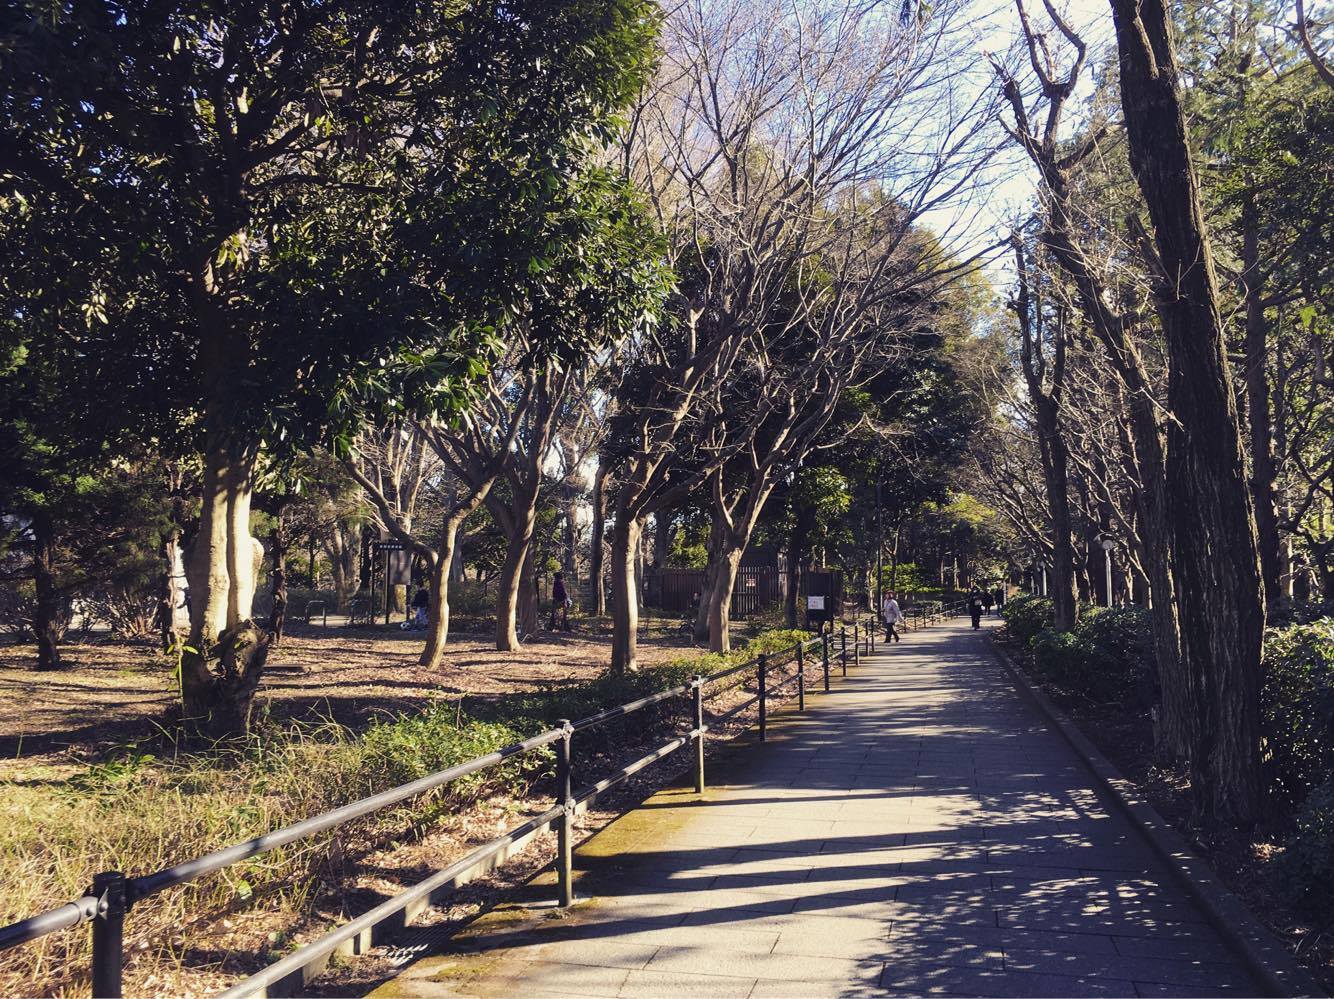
918, 830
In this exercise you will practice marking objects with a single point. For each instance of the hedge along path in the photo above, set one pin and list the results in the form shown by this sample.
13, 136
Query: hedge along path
918, 830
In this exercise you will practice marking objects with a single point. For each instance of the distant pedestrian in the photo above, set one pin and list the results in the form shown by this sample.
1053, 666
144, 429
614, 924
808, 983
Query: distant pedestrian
560, 604
421, 604
892, 615
986, 602
975, 607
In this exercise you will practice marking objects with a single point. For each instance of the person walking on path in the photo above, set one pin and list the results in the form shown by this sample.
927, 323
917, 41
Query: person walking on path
892, 615
560, 604
975, 607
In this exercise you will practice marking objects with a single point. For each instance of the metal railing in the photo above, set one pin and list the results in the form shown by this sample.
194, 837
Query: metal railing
112, 895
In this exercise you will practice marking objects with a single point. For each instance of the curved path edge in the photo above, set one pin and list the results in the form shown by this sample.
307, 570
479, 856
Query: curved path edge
1262, 953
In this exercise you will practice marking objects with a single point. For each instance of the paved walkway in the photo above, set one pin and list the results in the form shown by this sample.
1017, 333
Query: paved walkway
919, 830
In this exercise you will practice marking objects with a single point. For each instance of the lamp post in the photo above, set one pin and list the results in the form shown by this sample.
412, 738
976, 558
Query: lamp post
1107, 544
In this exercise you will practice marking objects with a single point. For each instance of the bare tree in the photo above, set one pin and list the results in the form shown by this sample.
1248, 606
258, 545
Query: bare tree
476, 472
1037, 130
1044, 336
789, 150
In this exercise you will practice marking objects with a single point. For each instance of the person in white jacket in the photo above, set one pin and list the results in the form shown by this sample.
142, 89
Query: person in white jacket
892, 615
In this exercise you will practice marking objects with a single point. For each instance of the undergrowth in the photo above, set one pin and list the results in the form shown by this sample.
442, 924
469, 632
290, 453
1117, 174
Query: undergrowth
148, 810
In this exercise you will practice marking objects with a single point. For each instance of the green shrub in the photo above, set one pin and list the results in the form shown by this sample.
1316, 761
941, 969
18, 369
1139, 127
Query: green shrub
1124, 650
1297, 702
1306, 866
1076, 665
1026, 616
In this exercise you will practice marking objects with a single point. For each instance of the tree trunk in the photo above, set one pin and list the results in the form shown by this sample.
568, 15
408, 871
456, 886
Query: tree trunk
662, 538
342, 579
507, 592
278, 612
894, 560
570, 558
1263, 471
597, 602
1055, 469
625, 537
169, 597
720, 599
714, 548
798, 551
221, 571
46, 608
1215, 557
529, 606
437, 616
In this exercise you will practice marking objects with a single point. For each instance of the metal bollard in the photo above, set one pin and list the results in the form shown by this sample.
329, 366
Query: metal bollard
801, 677
871, 629
565, 831
108, 934
843, 654
856, 644
824, 658
697, 682
763, 669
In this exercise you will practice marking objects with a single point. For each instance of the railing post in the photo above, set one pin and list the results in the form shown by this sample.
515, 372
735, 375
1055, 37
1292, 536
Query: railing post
801, 677
108, 934
824, 658
762, 667
697, 683
843, 640
856, 643
871, 629
565, 799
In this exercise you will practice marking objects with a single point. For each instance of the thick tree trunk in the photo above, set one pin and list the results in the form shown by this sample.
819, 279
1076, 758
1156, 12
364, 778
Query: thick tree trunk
46, 607
529, 608
625, 537
507, 593
1263, 470
1215, 554
720, 599
597, 602
714, 548
221, 571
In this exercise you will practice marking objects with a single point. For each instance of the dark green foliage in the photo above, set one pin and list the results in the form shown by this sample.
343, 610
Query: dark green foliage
1306, 867
1074, 664
1105, 658
1026, 616
1298, 709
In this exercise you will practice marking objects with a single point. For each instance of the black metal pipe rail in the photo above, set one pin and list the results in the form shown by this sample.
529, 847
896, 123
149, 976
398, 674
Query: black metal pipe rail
113, 894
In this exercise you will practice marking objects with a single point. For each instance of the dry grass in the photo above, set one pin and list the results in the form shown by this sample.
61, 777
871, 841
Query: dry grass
151, 805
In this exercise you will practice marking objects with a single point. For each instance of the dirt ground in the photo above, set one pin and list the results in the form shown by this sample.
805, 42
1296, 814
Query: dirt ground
113, 692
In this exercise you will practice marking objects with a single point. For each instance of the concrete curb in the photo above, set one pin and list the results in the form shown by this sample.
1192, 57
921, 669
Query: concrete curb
1263, 955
